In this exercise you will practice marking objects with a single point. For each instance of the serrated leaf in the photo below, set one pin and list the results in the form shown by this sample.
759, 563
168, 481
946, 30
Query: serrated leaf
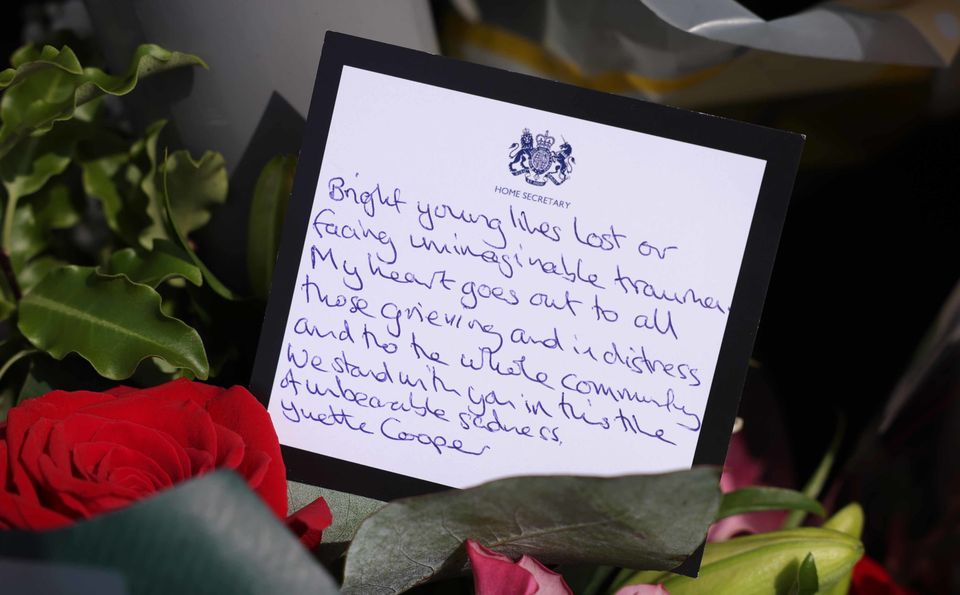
761, 563
268, 207
755, 499
111, 322
46, 87
152, 267
193, 188
651, 521
806, 581
211, 534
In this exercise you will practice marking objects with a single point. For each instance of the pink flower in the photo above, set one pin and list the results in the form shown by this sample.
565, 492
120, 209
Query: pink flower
740, 471
642, 590
496, 574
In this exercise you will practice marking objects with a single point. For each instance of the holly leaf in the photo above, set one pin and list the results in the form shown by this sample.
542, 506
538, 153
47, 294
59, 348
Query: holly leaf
641, 521
271, 196
152, 267
110, 321
47, 86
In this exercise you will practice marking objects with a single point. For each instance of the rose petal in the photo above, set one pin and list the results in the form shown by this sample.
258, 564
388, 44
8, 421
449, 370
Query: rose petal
133, 479
237, 409
19, 512
496, 574
201, 461
309, 522
157, 445
550, 582
256, 467
4, 465
870, 578
183, 420
96, 459
230, 448
74, 494
26, 471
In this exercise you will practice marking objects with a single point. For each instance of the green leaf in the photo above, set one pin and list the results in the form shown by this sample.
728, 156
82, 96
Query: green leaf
755, 499
806, 581
27, 238
27, 170
194, 188
47, 86
111, 322
33, 222
165, 261
177, 235
123, 182
33, 386
762, 563
35, 270
267, 210
55, 207
8, 297
35, 161
207, 535
654, 521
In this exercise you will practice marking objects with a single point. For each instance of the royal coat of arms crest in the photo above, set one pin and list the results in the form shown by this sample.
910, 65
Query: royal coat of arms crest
541, 163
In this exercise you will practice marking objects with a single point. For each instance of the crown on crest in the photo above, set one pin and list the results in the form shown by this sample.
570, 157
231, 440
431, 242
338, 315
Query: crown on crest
545, 140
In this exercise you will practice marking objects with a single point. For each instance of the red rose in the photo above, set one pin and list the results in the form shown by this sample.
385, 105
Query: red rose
870, 578
72, 455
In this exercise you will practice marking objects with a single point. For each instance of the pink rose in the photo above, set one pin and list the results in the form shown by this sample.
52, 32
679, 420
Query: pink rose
496, 574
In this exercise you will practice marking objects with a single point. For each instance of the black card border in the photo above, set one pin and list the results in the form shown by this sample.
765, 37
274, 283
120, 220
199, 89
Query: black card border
781, 150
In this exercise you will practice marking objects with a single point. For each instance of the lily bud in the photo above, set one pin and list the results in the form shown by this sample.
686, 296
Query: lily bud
849, 520
764, 563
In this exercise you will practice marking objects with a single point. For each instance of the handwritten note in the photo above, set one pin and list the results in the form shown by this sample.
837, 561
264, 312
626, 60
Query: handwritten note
459, 315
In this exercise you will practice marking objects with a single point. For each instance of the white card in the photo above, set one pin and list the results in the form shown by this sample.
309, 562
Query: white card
488, 289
